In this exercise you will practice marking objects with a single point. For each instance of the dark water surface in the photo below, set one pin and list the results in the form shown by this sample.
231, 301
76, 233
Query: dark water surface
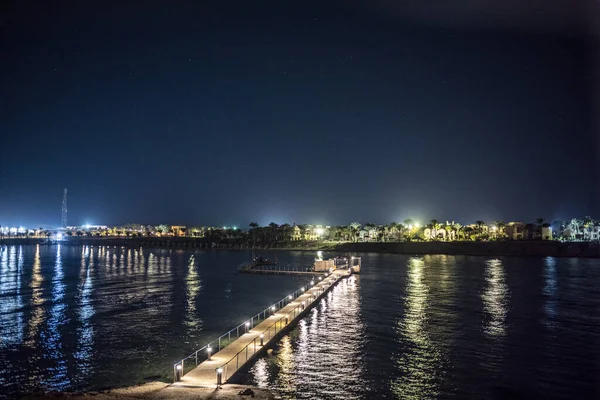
80, 318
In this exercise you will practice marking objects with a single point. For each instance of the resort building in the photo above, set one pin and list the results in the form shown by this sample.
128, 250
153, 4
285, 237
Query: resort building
178, 230
515, 230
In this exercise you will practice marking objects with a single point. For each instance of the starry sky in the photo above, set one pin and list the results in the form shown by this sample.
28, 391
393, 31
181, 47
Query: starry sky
307, 112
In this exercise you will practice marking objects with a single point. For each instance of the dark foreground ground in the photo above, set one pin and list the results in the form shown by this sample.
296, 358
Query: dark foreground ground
158, 390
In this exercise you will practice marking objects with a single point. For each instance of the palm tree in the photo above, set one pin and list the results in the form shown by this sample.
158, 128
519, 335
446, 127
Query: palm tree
408, 222
253, 228
401, 229
393, 229
449, 228
382, 233
435, 225
354, 228
467, 232
479, 226
273, 227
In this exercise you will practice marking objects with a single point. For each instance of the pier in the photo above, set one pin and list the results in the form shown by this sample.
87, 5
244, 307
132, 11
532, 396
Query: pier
277, 270
217, 362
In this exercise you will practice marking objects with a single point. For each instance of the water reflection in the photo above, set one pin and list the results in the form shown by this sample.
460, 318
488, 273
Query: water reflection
53, 336
193, 286
11, 301
38, 312
85, 331
495, 297
549, 293
330, 338
420, 358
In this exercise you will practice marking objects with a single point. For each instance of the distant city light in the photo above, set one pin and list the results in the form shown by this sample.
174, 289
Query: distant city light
320, 231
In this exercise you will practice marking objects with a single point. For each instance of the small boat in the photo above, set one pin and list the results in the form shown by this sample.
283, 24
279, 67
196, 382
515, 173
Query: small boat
257, 261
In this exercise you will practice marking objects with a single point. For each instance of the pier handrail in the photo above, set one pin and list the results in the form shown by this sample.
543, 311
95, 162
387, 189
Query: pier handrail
224, 368
217, 344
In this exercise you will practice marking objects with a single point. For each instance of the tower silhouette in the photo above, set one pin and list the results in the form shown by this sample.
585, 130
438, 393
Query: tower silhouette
63, 219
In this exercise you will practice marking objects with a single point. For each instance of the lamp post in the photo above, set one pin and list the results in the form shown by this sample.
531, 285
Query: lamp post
247, 324
209, 352
272, 310
287, 319
303, 305
262, 338
219, 376
178, 371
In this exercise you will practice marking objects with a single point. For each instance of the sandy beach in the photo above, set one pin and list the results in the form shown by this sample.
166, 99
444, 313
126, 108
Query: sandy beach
159, 390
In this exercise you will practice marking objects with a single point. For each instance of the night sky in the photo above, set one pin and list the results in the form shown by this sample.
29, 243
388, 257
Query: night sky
306, 112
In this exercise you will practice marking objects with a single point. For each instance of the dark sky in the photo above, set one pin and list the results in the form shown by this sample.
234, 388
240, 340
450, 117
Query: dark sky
306, 112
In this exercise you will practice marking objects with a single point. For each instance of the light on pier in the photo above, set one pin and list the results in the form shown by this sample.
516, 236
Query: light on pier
219, 376
209, 352
262, 338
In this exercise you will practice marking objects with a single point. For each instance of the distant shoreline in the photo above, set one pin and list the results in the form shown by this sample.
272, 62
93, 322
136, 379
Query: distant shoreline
522, 248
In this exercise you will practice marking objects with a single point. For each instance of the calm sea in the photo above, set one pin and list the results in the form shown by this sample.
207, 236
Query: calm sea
81, 318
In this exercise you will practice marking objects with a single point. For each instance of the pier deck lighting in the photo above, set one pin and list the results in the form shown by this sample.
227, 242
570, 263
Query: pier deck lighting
262, 338
209, 352
179, 367
290, 297
219, 376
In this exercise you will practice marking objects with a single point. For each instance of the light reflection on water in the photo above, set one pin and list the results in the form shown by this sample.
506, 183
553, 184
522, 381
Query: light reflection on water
52, 337
11, 303
549, 292
330, 339
85, 330
420, 358
193, 284
495, 299
79, 318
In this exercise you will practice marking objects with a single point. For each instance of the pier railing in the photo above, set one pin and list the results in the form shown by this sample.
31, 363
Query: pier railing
188, 363
231, 366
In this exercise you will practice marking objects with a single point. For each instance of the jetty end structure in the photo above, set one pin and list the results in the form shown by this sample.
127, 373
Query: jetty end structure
218, 361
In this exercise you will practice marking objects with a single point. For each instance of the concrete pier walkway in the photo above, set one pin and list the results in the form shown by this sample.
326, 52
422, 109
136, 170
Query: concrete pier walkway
236, 354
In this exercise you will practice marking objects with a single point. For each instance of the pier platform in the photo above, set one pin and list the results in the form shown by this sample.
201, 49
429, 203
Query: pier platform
280, 271
228, 359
